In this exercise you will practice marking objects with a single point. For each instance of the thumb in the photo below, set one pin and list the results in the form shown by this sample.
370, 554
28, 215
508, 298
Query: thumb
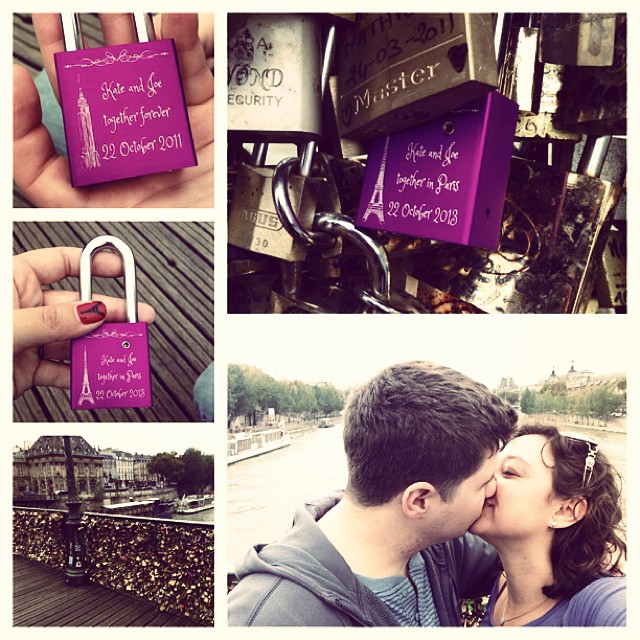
54, 323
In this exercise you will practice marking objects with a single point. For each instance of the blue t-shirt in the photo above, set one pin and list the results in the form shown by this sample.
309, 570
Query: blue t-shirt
409, 598
603, 603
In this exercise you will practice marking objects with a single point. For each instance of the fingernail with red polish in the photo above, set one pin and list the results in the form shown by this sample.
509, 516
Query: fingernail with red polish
90, 312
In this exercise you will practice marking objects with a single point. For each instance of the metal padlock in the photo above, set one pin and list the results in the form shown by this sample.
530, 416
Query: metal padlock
445, 179
555, 226
123, 108
110, 366
611, 281
582, 39
534, 85
273, 77
254, 222
398, 70
369, 292
595, 98
520, 75
436, 301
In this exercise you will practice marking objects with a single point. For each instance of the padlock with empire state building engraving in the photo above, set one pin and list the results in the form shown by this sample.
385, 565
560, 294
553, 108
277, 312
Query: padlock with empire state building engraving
444, 180
123, 107
401, 69
110, 366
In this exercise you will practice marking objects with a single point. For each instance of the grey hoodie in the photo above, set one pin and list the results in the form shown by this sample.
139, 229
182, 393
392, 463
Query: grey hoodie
302, 580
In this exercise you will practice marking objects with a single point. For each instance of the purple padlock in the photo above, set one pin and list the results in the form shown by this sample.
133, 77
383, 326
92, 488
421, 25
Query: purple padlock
445, 180
110, 366
123, 107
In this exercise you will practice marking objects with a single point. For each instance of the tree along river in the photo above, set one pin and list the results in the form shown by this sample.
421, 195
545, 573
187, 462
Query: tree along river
263, 492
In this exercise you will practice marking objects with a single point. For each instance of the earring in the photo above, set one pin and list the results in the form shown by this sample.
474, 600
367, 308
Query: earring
552, 524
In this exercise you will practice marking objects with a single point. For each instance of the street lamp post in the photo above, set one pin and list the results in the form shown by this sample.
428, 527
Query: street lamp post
75, 571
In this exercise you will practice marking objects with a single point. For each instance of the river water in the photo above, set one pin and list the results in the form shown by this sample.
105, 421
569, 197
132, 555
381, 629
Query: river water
264, 491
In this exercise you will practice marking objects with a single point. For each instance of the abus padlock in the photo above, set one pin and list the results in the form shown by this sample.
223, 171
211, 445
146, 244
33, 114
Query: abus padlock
398, 70
254, 222
445, 179
110, 366
273, 77
123, 107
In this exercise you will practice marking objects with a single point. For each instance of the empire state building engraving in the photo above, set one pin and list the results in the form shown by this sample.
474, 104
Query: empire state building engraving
376, 203
88, 153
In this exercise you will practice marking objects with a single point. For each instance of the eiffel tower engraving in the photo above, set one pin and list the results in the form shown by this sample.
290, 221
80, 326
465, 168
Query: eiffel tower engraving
88, 153
85, 394
376, 204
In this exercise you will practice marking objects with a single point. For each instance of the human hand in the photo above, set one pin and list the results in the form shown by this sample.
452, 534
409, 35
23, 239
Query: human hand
43, 176
205, 31
49, 319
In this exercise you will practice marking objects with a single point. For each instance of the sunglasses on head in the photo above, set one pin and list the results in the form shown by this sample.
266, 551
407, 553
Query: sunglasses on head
590, 459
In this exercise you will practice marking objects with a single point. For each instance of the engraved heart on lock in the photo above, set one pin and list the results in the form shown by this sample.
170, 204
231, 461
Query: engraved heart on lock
397, 70
123, 108
110, 366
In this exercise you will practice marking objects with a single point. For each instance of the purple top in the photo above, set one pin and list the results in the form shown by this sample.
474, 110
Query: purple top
602, 603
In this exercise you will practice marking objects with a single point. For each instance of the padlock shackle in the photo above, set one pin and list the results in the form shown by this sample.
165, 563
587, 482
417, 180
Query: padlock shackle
71, 31
284, 209
377, 260
259, 154
129, 270
143, 24
309, 150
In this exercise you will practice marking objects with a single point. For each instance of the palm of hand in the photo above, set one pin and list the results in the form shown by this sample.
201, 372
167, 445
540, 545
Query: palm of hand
43, 176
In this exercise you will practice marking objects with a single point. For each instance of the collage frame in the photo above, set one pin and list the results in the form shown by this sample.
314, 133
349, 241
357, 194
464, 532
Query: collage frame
229, 329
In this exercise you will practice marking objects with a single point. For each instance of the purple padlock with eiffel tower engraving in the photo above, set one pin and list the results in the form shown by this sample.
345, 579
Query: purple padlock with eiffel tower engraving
110, 366
446, 179
123, 107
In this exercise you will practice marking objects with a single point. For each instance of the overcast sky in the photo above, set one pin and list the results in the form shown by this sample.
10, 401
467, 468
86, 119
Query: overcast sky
345, 350
132, 438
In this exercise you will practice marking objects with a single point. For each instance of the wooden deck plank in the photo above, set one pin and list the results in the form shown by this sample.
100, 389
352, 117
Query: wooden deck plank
175, 275
43, 599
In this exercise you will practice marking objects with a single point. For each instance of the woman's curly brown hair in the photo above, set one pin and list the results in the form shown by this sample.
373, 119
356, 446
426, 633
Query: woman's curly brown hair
593, 546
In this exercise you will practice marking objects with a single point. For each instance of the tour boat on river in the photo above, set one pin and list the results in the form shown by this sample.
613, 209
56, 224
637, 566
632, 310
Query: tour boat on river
194, 504
247, 444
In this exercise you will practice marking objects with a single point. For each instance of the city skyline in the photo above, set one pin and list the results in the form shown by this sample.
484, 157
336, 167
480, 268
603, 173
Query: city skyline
488, 349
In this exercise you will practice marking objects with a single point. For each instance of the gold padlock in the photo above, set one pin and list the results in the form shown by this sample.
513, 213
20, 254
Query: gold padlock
254, 222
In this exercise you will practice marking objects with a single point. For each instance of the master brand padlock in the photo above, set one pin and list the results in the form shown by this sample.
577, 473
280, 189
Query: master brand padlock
397, 70
446, 179
123, 107
110, 366
273, 77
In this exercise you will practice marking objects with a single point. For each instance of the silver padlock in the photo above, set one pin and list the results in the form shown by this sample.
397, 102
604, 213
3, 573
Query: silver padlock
273, 77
